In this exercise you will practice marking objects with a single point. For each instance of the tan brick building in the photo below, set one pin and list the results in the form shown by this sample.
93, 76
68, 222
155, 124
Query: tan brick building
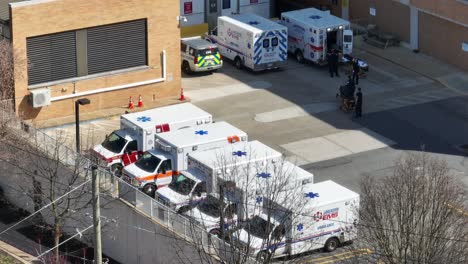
104, 50
437, 28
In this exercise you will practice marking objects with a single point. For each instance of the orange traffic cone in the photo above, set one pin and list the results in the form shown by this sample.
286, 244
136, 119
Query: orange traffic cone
130, 103
140, 102
182, 97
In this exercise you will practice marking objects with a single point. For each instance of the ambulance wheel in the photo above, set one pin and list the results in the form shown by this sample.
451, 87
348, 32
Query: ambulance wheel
238, 63
150, 190
186, 67
331, 244
299, 56
183, 209
116, 169
263, 256
215, 232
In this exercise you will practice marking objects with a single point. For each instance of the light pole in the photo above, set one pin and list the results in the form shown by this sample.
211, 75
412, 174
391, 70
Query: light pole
82, 101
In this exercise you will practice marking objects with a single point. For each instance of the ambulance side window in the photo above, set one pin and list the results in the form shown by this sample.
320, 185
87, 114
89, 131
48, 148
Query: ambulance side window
132, 146
191, 51
201, 188
266, 43
274, 42
278, 233
165, 166
183, 47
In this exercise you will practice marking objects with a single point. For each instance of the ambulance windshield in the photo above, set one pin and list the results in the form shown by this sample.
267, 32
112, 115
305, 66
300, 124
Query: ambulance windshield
258, 227
210, 206
182, 184
148, 162
114, 143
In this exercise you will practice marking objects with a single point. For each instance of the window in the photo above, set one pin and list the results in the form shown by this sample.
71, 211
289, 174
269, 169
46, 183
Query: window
183, 47
191, 51
347, 38
52, 57
117, 46
200, 188
266, 43
274, 42
231, 210
165, 166
132, 146
465, 46
86, 51
278, 233
226, 4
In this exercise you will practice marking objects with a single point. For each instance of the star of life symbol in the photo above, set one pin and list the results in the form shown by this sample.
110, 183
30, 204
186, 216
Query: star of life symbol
259, 199
239, 153
311, 195
264, 175
143, 119
300, 227
201, 132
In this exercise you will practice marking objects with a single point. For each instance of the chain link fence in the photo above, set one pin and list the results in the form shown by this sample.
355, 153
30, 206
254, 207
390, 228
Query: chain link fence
115, 187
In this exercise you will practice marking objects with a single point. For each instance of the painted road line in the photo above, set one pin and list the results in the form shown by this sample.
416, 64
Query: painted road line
340, 256
337, 145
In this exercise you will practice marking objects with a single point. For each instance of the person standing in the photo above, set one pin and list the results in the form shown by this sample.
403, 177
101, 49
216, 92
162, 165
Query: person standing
335, 62
330, 63
358, 107
356, 70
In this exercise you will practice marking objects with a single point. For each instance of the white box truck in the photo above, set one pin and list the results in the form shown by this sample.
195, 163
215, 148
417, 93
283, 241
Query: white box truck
156, 167
326, 219
313, 33
252, 41
245, 199
191, 186
137, 131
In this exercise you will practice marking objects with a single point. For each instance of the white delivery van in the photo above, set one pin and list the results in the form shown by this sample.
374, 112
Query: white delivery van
245, 199
313, 33
251, 41
327, 219
156, 167
206, 168
137, 131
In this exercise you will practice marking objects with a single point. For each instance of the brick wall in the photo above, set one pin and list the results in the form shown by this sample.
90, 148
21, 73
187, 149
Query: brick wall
35, 18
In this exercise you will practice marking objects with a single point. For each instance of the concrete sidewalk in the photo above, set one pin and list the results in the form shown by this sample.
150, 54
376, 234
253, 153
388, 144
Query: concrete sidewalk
429, 67
17, 254
106, 113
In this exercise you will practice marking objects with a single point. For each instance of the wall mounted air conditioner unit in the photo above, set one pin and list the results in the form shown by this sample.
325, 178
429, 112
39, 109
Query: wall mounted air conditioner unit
40, 97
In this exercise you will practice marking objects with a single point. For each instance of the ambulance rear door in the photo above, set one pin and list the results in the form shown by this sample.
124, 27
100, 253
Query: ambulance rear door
347, 41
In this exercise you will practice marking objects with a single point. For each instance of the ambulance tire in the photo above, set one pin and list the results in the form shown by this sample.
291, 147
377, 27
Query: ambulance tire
150, 190
263, 256
238, 63
116, 169
332, 244
215, 232
299, 56
186, 67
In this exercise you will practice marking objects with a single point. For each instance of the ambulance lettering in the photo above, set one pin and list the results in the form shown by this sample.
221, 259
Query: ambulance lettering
234, 34
328, 214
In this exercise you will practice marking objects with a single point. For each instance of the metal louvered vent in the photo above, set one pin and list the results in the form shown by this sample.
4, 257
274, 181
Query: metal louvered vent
117, 46
51, 57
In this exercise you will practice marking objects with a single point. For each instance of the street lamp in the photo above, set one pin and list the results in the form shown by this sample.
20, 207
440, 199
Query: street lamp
82, 101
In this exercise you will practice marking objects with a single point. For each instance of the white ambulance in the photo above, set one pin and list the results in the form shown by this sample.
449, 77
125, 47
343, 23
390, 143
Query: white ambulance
137, 130
246, 199
252, 41
156, 167
313, 33
206, 168
327, 219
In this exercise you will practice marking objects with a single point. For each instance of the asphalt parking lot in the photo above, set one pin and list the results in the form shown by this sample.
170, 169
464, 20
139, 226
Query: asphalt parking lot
294, 110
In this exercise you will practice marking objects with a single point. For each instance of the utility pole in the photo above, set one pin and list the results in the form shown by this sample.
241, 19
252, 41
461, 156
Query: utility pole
221, 211
96, 217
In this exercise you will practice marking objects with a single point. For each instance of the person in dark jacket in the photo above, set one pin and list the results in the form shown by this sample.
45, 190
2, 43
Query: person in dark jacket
335, 62
356, 70
358, 107
330, 63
